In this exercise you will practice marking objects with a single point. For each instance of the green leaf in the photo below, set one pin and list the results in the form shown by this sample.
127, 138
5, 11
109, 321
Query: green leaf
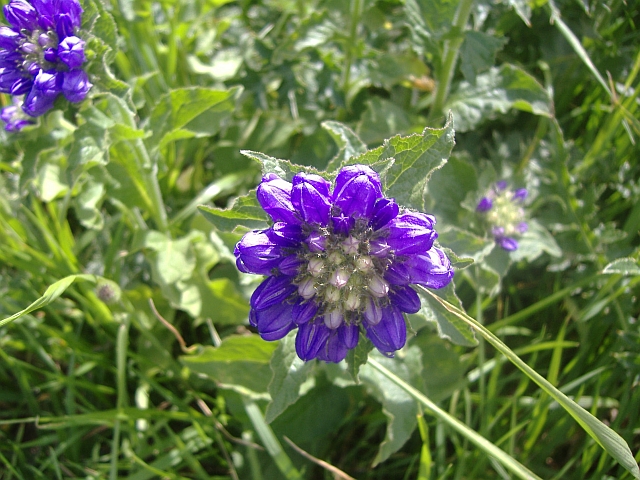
347, 140
283, 168
523, 9
245, 211
534, 242
449, 325
241, 363
478, 53
189, 112
223, 303
623, 266
289, 378
87, 205
397, 405
53, 292
381, 120
357, 357
405, 164
465, 243
497, 91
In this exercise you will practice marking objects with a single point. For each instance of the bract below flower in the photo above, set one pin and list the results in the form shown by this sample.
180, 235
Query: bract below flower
339, 261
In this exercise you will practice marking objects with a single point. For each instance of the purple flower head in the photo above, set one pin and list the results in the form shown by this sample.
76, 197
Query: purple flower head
42, 37
503, 214
13, 117
339, 259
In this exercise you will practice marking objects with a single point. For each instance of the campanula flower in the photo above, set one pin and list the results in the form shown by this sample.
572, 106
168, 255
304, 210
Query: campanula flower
41, 55
339, 259
13, 116
503, 212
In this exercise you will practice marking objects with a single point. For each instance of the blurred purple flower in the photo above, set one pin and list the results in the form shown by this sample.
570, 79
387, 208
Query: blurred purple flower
338, 259
13, 117
502, 209
40, 53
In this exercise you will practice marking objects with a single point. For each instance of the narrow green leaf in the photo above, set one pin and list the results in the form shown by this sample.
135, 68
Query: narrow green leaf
53, 292
478, 440
270, 442
607, 438
289, 375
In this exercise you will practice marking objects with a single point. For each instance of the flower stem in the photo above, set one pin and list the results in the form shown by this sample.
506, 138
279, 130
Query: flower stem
478, 440
450, 57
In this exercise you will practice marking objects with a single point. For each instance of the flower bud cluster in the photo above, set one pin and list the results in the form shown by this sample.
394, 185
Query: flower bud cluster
502, 209
41, 56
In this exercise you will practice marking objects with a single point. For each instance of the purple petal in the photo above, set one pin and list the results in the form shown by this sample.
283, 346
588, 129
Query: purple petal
310, 197
508, 243
316, 242
405, 298
311, 337
501, 185
21, 15
271, 291
484, 205
76, 85
357, 189
290, 265
384, 210
398, 274
71, 51
9, 38
372, 311
274, 322
520, 195
274, 195
522, 227
303, 311
411, 232
348, 335
257, 253
334, 350
391, 333
342, 224
285, 234
433, 269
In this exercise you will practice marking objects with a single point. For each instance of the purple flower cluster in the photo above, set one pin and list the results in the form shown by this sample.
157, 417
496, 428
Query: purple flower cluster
502, 208
41, 55
337, 259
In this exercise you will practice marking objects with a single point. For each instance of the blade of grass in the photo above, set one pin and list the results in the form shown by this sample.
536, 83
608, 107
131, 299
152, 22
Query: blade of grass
270, 442
478, 440
608, 439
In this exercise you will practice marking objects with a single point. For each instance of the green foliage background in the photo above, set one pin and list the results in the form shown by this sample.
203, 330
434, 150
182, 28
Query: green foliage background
125, 351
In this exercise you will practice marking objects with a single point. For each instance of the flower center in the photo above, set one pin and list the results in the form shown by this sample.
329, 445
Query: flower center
345, 277
39, 50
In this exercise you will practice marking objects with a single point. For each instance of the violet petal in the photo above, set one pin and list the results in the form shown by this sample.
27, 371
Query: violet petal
391, 333
274, 322
311, 337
